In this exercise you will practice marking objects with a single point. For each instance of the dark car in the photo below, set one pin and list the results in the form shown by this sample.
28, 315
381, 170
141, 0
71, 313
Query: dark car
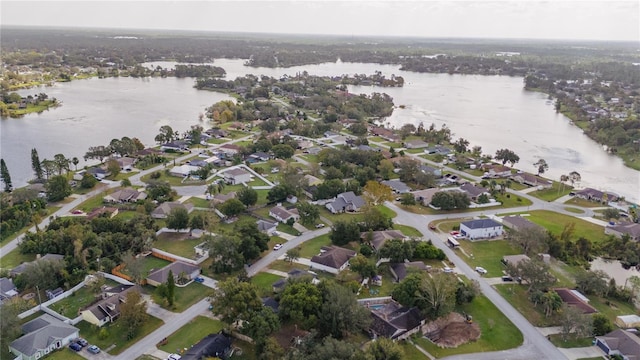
199, 279
75, 346
82, 342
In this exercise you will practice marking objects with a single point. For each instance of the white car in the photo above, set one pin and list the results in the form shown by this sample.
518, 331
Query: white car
277, 247
448, 270
481, 270
174, 357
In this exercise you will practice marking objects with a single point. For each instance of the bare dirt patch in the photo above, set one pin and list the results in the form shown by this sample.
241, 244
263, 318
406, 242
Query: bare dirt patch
451, 331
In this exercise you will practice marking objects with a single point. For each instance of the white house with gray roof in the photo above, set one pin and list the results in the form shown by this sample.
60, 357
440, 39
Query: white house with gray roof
347, 201
43, 335
481, 229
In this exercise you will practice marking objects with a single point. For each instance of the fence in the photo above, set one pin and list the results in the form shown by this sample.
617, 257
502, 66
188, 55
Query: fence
44, 305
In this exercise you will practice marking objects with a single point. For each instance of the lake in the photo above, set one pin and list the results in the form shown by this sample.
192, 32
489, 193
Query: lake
491, 111
615, 270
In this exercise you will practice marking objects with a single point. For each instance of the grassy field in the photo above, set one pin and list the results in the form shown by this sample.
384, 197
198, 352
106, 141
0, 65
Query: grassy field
574, 210
93, 202
69, 306
516, 295
198, 202
312, 247
117, 335
610, 307
15, 258
177, 243
285, 266
511, 200
411, 352
64, 354
264, 281
556, 191
498, 333
191, 333
582, 202
555, 222
487, 254
408, 230
185, 297
571, 342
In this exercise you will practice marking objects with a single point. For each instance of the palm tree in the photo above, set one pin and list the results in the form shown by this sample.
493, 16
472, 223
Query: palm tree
75, 162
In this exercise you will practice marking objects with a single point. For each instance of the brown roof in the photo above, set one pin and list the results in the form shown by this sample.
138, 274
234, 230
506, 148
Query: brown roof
572, 299
378, 238
333, 256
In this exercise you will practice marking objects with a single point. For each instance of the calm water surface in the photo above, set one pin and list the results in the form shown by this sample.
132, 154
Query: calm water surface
491, 111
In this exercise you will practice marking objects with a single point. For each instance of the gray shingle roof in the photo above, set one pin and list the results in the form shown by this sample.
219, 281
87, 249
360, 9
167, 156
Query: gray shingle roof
161, 275
41, 333
333, 256
481, 223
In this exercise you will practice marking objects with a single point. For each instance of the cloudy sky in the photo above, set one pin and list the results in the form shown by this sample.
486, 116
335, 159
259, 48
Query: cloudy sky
554, 19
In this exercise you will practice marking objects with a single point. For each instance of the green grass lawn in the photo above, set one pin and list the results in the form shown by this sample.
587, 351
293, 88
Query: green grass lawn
64, 354
574, 210
117, 335
263, 281
185, 296
248, 350
286, 266
411, 352
15, 258
93, 202
571, 342
312, 247
191, 333
69, 306
287, 229
177, 243
487, 254
408, 230
198, 202
555, 222
582, 202
498, 332
556, 191
517, 296
511, 200
172, 180
386, 211
611, 307
375, 291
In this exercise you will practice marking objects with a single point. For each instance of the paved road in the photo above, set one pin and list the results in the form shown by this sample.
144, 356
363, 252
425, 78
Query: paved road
535, 345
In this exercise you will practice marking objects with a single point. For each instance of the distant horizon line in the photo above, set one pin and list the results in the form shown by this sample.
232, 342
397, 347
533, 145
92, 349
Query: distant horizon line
342, 36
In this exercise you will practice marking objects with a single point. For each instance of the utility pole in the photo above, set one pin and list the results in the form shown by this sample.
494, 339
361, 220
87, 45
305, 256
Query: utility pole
39, 299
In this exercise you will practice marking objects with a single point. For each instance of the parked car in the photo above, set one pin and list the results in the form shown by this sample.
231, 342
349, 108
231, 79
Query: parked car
277, 247
174, 357
75, 346
448, 269
318, 226
455, 233
82, 342
481, 270
507, 278
199, 279
432, 227
93, 349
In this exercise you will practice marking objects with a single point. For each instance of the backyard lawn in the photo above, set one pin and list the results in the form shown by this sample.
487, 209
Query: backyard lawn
498, 332
116, 334
487, 254
15, 258
264, 281
191, 333
69, 306
177, 243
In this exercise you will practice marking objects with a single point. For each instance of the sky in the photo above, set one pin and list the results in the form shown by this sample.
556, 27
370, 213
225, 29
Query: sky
512, 19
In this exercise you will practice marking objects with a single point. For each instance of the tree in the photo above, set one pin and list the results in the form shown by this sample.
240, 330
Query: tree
461, 146
231, 207
376, 193
592, 282
409, 168
113, 167
573, 321
534, 272
62, 163
271, 350
300, 302
171, 288
292, 255
466, 292
252, 241
195, 134
134, 266
426, 250
75, 161
226, 254
611, 213
99, 152
408, 199
282, 151
385, 169
363, 266
340, 313
5, 176
406, 291
261, 324
542, 166
550, 302
88, 181
396, 250
507, 156
344, 232
49, 168
384, 349
43, 274
532, 240
279, 193
309, 213
438, 293
133, 313
374, 219
166, 135
36, 165
248, 196
178, 218
601, 324
563, 180
235, 300
449, 200
9, 321
57, 188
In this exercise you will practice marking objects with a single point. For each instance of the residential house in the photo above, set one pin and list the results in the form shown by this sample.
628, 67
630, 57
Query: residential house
514, 260
271, 303
397, 186
622, 343
220, 198
237, 176
330, 134
24, 266
377, 239
431, 170
108, 308
312, 180
496, 171
292, 199
183, 170
177, 146
596, 195
212, 346
42, 336
576, 299
266, 227
399, 271
126, 163
532, 180
283, 214
305, 144
424, 196
103, 211
620, 230
474, 191
178, 268
98, 172
386, 134
216, 133
7, 289
199, 163
332, 259
628, 321
415, 144
313, 150
437, 149
277, 286
164, 209
230, 149
481, 229
125, 195
517, 222
395, 321
260, 156
347, 201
